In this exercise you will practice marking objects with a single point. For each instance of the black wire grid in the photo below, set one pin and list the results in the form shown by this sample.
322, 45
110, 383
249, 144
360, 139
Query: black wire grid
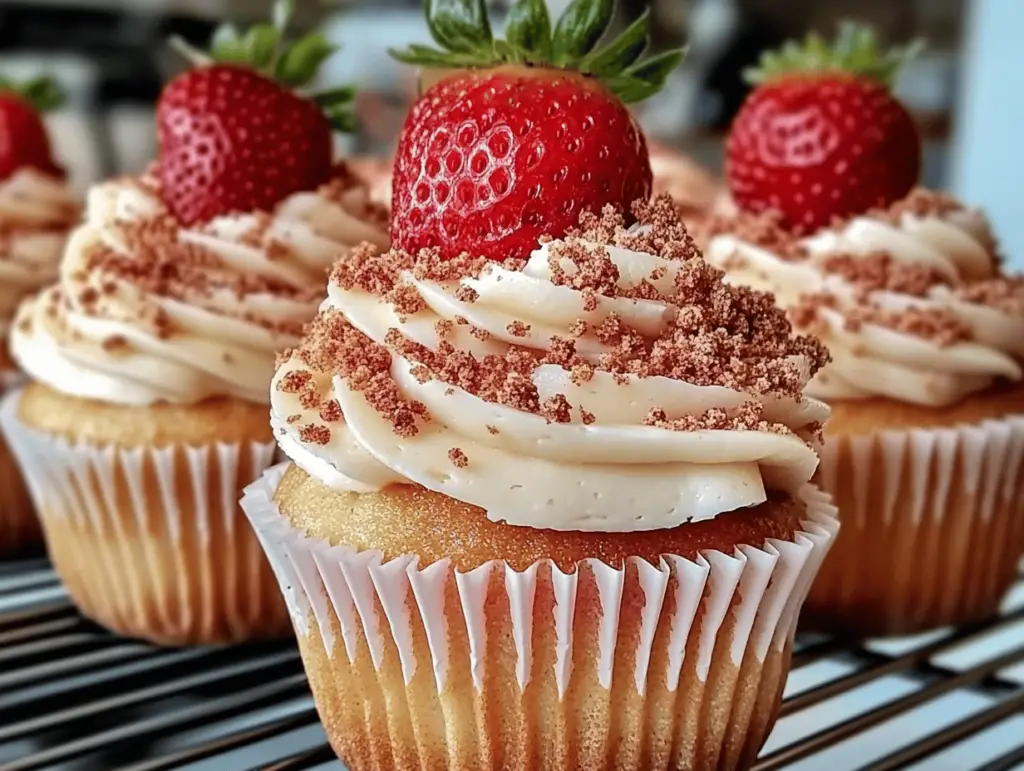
75, 697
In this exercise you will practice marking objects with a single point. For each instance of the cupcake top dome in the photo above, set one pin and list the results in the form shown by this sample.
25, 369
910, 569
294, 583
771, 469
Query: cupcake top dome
609, 382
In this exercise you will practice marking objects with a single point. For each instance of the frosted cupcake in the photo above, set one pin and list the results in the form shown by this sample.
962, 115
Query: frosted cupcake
923, 452
36, 211
540, 504
153, 352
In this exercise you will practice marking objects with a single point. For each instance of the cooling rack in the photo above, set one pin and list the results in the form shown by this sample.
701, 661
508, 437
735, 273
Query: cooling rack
74, 697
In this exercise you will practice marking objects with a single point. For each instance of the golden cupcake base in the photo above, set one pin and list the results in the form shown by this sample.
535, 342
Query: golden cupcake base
933, 514
139, 508
480, 654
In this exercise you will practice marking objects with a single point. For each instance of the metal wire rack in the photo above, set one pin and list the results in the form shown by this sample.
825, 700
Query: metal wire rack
74, 697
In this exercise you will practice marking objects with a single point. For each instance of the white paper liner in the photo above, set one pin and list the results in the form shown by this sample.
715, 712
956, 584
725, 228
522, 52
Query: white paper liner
938, 514
219, 567
761, 587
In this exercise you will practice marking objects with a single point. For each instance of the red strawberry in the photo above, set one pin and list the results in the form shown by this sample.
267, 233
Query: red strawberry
821, 136
24, 140
491, 159
232, 138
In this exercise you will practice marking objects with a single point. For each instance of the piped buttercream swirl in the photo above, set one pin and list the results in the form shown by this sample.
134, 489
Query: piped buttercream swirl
36, 212
611, 382
895, 295
149, 311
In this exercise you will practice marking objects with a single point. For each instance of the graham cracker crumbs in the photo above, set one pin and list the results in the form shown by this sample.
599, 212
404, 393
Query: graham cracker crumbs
719, 335
556, 409
330, 411
405, 300
332, 345
444, 328
878, 270
115, 343
518, 329
1005, 294
157, 262
314, 434
294, 381
466, 294
480, 334
763, 229
748, 417
492, 430
936, 325
366, 268
294, 418
919, 202
458, 458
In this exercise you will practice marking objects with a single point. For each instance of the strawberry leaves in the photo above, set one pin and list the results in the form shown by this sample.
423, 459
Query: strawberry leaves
266, 49
42, 92
528, 28
855, 50
463, 30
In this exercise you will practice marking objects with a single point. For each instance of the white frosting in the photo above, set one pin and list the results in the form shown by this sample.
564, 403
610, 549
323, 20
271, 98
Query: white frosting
614, 474
760, 588
875, 360
36, 212
222, 340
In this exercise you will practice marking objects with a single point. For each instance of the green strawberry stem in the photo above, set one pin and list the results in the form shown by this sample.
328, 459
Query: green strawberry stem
42, 92
293, 63
855, 51
462, 29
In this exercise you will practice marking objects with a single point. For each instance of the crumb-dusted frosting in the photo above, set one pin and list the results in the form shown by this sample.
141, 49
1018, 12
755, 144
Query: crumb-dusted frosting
36, 212
610, 382
148, 311
909, 300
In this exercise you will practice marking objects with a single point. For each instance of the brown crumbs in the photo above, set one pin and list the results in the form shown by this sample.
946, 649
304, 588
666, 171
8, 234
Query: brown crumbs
314, 434
458, 458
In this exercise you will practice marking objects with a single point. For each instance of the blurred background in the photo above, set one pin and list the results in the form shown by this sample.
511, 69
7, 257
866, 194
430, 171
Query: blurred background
112, 57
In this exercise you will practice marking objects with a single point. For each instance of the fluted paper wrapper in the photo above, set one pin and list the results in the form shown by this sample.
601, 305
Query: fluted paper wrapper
933, 527
669, 666
150, 541
19, 527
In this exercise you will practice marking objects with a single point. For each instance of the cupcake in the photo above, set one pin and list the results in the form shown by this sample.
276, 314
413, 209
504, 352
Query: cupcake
923, 453
548, 505
152, 356
36, 211
515, 529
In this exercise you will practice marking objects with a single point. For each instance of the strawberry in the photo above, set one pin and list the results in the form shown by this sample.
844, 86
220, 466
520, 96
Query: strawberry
234, 136
24, 140
531, 131
821, 136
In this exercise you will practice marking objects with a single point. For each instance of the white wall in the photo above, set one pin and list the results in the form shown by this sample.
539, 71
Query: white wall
988, 163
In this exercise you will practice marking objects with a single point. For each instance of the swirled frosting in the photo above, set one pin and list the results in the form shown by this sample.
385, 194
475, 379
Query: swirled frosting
147, 311
910, 301
611, 382
36, 212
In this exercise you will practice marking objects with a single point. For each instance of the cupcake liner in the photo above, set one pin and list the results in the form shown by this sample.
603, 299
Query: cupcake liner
675, 665
933, 527
150, 541
19, 526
